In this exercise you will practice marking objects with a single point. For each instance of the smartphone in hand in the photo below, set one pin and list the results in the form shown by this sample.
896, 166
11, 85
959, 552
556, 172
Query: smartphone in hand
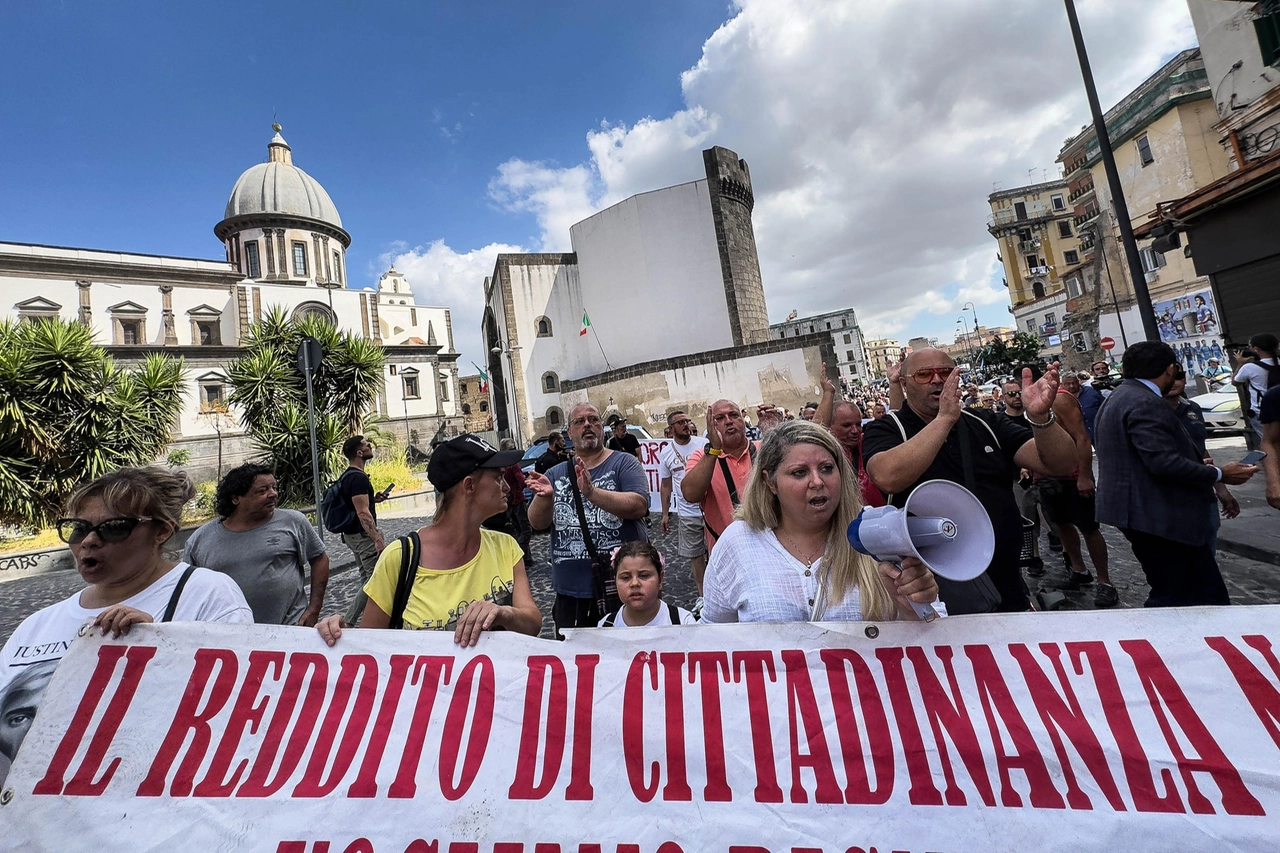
1253, 457
387, 490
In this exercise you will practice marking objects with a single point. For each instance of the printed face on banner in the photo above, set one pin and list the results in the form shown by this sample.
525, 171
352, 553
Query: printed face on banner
1189, 324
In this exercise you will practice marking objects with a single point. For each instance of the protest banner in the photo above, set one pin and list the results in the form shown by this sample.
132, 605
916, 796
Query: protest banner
1144, 730
649, 450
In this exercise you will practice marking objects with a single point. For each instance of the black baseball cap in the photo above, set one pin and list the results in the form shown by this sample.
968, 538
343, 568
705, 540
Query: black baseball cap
458, 457
615, 419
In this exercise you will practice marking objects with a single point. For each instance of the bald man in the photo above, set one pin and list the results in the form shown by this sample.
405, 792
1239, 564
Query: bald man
926, 438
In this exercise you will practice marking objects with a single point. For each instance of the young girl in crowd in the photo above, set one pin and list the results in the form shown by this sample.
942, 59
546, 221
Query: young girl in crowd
637, 567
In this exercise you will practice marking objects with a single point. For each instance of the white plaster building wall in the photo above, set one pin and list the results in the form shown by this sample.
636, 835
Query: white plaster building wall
186, 298
105, 295
1109, 324
651, 278
551, 291
20, 289
412, 321
346, 303
783, 378
1224, 29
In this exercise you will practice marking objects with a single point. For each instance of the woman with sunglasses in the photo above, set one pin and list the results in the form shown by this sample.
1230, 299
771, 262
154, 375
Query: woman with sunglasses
116, 527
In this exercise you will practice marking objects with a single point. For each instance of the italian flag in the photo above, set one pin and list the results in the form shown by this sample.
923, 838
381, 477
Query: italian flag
586, 324
484, 379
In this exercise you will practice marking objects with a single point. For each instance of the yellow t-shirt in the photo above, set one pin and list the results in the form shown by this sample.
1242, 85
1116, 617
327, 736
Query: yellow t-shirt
440, 596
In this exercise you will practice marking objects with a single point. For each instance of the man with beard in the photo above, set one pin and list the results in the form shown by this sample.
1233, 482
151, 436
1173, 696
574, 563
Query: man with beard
554, 455
717, 475
614, 492
933, 437
265, 550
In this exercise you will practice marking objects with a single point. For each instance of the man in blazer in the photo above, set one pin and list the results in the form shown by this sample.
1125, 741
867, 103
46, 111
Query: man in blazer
1154, 486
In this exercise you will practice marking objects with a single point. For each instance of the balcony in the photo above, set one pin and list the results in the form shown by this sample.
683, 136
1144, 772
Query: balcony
1037, 272
1028, 246
1085, 218
1070, 169
1086, 190
1033, 212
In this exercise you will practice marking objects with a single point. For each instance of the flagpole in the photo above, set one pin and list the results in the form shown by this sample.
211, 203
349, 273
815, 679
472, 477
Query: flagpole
606, 358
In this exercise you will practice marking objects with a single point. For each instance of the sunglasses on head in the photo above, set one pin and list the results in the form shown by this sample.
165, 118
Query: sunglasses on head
74, 530
925, 376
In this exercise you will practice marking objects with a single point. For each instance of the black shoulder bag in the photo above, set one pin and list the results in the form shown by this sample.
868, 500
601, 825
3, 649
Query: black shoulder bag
603, 583
980, 594
410, 550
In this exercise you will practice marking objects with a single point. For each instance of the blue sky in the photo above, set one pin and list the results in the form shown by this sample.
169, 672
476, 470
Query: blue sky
447, 132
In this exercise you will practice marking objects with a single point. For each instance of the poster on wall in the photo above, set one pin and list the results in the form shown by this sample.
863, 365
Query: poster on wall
1189, 324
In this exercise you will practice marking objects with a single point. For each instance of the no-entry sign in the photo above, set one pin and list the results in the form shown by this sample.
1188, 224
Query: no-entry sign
1107, 344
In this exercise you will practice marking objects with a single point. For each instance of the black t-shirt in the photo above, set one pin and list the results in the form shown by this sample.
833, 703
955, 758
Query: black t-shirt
548, 460
356, 482
993, 444
627, 444
1191, 416
1269, 408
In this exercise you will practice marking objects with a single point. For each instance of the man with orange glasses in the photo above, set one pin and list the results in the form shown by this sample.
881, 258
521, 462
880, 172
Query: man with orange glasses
932, 437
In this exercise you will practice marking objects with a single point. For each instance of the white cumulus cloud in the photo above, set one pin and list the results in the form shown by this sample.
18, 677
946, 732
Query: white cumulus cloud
875, 129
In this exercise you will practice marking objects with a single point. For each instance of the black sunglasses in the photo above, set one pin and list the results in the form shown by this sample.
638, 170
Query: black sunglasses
74, 530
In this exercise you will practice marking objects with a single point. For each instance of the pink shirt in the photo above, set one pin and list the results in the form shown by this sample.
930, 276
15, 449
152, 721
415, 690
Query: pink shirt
717, 507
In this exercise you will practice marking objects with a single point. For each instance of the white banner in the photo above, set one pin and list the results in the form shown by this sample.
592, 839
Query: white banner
1148, 730
649, 450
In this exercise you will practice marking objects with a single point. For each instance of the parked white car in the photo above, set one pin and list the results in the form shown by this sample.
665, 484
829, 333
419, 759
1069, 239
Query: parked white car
1222, 415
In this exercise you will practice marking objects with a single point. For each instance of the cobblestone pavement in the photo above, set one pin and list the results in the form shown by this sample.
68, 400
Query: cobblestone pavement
1249, 581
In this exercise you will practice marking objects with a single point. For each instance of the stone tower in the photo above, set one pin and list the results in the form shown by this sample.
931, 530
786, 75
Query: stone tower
729, 182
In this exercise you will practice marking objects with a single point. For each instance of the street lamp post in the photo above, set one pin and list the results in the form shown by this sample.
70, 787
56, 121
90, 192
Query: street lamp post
1145, 310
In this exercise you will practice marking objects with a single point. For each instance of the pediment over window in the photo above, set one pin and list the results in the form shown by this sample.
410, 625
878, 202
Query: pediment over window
211, 376
201, 311
127, 307
38, 305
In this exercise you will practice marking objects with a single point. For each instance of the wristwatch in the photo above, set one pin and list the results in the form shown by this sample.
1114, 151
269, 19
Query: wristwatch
714, 451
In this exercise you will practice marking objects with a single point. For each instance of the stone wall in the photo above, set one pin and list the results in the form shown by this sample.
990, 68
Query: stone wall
783, 373
732, 200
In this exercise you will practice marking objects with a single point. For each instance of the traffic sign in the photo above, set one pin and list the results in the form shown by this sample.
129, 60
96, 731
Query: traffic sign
1107, 344
309, 355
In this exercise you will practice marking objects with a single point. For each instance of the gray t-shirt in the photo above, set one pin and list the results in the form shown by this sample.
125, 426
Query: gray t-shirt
268, 562
570, 563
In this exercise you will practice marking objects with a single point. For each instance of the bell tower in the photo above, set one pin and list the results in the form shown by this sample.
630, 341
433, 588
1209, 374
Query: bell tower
729, 183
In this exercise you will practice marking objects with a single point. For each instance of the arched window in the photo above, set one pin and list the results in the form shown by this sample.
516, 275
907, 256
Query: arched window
550, 382
484, 405
544, 327
554, 417
466, 408
1037, 289
314, 309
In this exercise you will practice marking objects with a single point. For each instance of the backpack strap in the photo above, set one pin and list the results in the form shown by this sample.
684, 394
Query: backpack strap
410, 549
674, 613
610, 620
177, 593
902, 431
986, 425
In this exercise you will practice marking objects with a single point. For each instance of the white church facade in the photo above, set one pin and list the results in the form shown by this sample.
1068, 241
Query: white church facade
284, 246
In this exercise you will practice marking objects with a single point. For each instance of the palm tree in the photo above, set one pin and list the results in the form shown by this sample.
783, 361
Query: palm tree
69, 413
270, 391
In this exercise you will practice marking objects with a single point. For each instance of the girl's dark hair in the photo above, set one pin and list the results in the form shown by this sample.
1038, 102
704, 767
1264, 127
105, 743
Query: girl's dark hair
644, 550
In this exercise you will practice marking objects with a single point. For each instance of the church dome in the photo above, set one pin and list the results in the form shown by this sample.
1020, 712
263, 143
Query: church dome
279, 188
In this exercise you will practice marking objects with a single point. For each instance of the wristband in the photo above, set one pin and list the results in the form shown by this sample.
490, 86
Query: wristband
714, 451
1053, 417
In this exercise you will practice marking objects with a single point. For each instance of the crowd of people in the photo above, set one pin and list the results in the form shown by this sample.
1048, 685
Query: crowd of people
759, 511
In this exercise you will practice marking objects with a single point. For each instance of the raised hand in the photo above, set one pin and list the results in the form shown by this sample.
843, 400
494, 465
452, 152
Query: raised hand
949, 403
893, 371
585, 484
713, 433
538, 484
1038, 397
767, 417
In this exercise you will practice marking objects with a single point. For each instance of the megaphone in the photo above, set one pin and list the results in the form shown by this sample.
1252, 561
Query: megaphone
942, 525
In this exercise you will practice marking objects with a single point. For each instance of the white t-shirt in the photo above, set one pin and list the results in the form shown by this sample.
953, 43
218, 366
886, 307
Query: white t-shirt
45, 635
752, 578
1256, 375
671, 463
662, 619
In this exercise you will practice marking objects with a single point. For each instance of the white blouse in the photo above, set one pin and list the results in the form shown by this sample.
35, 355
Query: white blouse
752, 578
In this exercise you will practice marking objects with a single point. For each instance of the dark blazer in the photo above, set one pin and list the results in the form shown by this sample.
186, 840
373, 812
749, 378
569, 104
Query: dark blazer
1150, 476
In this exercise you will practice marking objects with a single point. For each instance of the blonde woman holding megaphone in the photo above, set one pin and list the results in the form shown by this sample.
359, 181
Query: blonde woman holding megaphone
786, 557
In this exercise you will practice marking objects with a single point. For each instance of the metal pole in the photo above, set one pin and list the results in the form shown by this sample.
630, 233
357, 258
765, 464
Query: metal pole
315, 456
1102, 250
1140, 292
